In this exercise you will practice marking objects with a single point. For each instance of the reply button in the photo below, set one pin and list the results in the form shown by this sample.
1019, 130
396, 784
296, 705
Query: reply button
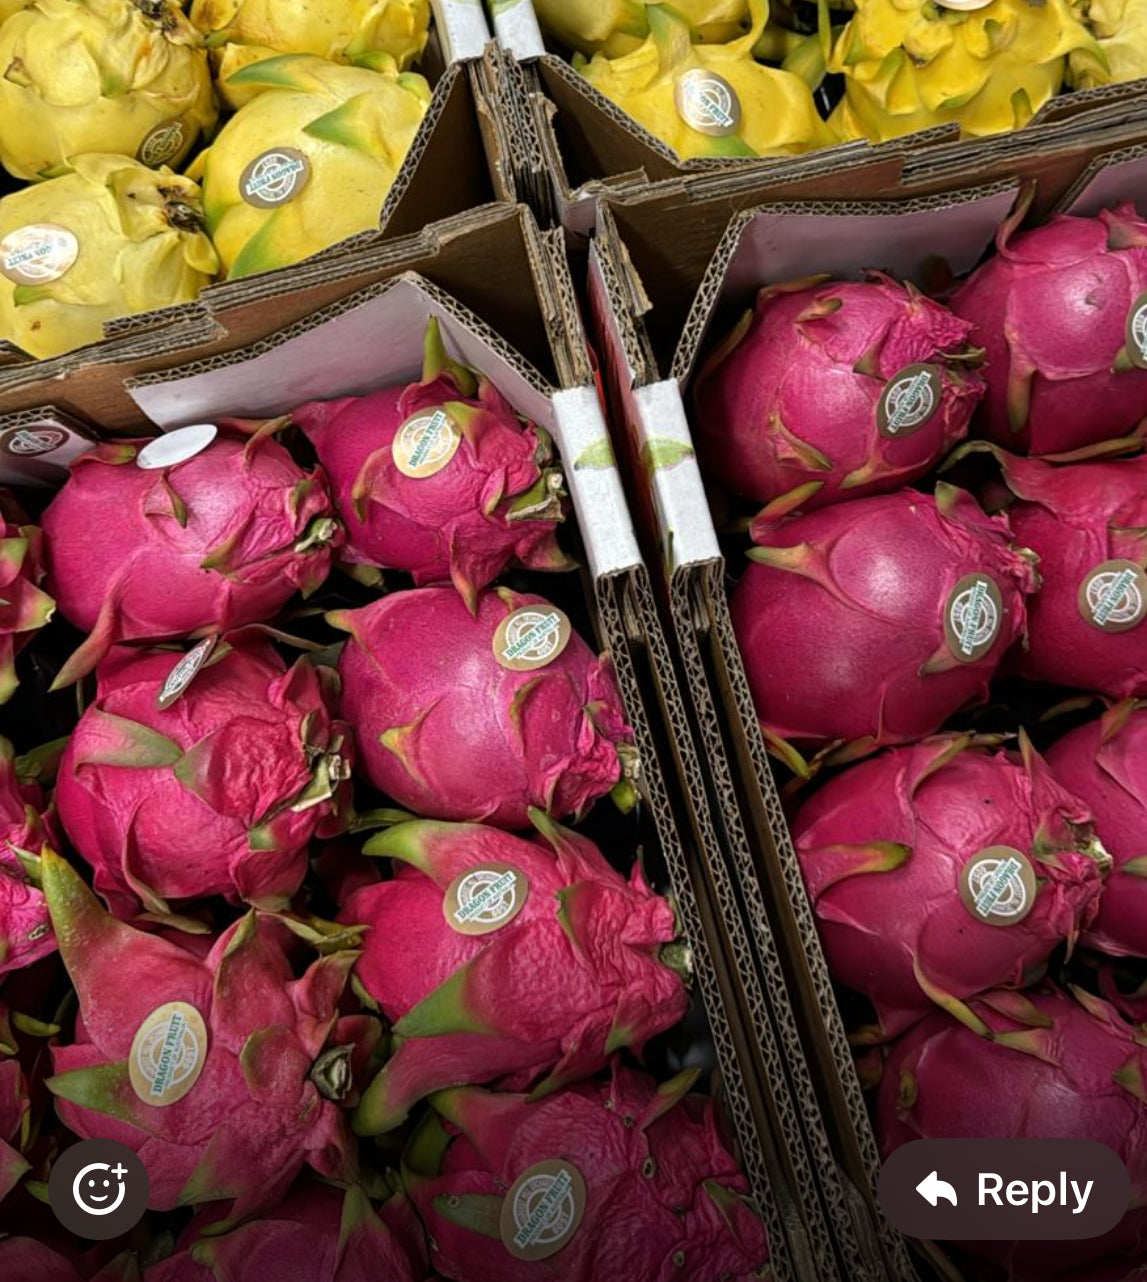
1005, 1190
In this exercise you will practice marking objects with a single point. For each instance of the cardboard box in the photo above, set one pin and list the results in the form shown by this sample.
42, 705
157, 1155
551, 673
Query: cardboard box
770, 244
459, 137
595, 149
357, 325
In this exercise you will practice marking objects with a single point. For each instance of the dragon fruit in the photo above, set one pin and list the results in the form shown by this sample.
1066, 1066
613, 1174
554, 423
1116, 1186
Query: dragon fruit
941, 870
830, 391
1086, 523
634, 1177
217, 793
15, 1121
23, 606
1062, 314
870, 623
23, 1259
25, 930
220, 540
450, 731
1105, 762
548, 962
484, 496
263, 1058
1046, 1067
318, 1234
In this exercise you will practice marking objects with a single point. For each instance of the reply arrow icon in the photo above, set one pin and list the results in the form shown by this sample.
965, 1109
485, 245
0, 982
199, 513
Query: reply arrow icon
932, 1189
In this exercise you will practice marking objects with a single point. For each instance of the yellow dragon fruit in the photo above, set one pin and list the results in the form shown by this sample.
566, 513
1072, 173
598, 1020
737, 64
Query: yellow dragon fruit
9, 7
913, 64
709, 100
309, 161
107, 239
123, 76
241, 32
618, 27
1120, 26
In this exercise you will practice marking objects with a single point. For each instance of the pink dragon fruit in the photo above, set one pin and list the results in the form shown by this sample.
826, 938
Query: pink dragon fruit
15, 1121
23, 1259
23, 606
830, 391
616, 1180
498, 958
1062, 314
318, 1234
1105, 762
872, 622
220, 540
485, 497
1088, 525
480, 717
217, 793
25, 930
263, 1063
1043, 1067
940, 870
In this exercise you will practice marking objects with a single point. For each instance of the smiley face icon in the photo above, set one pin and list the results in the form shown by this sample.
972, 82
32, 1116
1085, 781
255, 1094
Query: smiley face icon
98, 1189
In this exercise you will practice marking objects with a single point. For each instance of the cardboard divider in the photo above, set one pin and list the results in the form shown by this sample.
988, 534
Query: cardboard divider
505, 302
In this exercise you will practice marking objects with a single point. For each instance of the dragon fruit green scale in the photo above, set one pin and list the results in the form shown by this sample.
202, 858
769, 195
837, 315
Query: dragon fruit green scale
582, 962
448, 731
217, 794
467, 515
220, 540
247, 1103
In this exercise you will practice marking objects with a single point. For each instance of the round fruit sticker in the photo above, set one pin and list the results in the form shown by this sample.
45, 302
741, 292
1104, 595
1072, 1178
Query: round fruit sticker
1113, 597
274, 177
162, 144
1137, 332
168, 1054
38, 254
184, 673
909, 401
28, 442
708, 103
176, 447
485, 899
543, 1210
972, 617
998, 886
531, 637
425, 443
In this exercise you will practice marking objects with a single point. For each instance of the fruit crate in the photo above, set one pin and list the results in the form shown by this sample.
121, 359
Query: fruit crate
356, 324
462, 136
594, 149
662, 289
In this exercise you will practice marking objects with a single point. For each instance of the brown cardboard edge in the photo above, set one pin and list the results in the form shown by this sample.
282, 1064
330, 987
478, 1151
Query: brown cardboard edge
708, 294
750, 1098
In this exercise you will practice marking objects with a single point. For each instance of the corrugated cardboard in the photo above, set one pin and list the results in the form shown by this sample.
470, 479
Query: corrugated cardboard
38, 444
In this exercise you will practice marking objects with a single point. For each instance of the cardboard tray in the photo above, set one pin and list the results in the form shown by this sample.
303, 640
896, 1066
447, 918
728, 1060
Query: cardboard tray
775, 242
355, 324
461, 135
594, 149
